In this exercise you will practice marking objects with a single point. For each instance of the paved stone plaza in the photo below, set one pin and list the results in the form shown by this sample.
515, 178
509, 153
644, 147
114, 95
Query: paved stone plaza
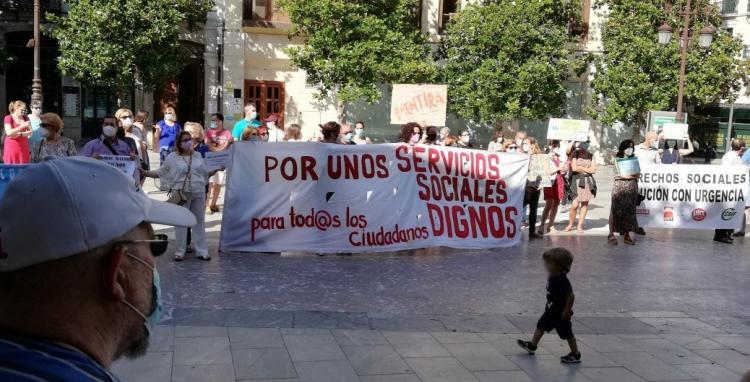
675, 307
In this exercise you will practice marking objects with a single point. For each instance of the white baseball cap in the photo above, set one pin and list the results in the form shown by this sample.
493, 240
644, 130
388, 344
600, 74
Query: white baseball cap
64, 207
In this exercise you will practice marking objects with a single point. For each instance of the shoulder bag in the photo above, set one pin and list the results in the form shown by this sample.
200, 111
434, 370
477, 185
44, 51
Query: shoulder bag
179, 196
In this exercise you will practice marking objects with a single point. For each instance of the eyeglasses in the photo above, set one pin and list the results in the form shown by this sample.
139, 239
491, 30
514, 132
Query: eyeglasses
187, 140
45, 125
126, 116
158, 244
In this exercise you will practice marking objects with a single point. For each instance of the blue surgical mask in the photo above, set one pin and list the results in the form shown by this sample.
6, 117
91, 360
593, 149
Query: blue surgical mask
153, 319
212, 125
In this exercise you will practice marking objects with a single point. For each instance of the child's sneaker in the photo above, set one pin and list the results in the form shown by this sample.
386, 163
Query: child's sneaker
571, 358
527, 345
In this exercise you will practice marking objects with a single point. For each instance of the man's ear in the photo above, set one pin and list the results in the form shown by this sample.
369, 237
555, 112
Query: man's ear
114, 276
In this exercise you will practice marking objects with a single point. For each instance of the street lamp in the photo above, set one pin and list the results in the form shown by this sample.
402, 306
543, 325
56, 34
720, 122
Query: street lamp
36, 82
706, 36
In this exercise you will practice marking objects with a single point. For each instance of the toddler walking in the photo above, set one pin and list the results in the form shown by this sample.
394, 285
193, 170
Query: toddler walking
559, 308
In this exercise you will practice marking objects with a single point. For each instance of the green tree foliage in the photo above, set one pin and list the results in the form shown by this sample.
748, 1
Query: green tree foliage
120, 43
352, 46
508, 59
636, 74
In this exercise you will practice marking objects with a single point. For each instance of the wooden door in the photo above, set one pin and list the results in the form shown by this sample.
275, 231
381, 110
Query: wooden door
268, 98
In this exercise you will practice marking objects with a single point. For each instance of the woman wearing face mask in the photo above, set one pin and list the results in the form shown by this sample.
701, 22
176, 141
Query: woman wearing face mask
167, 130
196, 131
17, 132
411, 133
53, 144
359, 134
250, 134
126, 121
553, 195
622, 214
498, 142
464, 140
582, 185
185, 167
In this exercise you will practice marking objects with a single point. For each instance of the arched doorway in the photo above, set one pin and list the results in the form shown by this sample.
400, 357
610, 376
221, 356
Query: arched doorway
186, 91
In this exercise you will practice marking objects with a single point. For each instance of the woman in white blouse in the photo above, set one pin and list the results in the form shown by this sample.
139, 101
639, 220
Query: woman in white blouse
174, 170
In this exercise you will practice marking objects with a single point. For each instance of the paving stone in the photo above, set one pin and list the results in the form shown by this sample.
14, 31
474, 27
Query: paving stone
729, 324
649, 367
616, 325
391, 378
479, 324
200, 331
270, 380
440, 369
415, 344
331, 320
548, 368
658, 314
203, 373
326, 371
313, 347
199, 317
424, 324
710, 373
527, 324
359, 337
480, 357
260, 318
607, 343
377, 359
611, 374
457, 338
254, 338
729, 358
669, 352
591, 358
285, 331
202, 351
695, 342
738, 343
161, 339
270, 363
503, 376
682, 325
153, 367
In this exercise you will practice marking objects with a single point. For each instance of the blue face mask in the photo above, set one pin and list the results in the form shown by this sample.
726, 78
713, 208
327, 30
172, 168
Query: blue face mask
212, 125
153, 319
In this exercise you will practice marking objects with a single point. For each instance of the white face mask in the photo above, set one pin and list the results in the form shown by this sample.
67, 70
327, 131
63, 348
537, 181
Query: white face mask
168, 117
127, 122
109, 131
271, 125
44, 133
519, 142
629, 151
252, 116
465, 139
359, 132
526, 148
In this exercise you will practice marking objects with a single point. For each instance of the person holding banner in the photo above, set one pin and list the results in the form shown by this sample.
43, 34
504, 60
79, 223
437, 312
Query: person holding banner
464, 140
185, 170
411, 133
431, 135
622, 214
444, 133
250, 134
731, 158
17, 132
53, 144
359, 134
331, 131
293, 133
582, 185
497, 144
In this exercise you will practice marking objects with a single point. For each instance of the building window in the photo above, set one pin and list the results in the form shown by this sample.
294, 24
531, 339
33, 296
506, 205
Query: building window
746, 52
448, 9
417, 15
100, 102
268, 98
261, 11
578, 28
727, 6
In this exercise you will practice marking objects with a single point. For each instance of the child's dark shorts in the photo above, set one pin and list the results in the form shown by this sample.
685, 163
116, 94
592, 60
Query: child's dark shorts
549, 321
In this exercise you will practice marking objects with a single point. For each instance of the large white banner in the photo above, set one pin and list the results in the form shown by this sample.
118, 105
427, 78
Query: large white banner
324, 198
693, 196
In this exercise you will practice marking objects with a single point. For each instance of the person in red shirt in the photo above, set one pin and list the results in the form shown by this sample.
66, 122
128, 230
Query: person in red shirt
218, 139
17, 133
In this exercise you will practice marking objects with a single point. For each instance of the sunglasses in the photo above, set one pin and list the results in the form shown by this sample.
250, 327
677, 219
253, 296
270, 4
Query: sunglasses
158, 244
45, 125
126, 116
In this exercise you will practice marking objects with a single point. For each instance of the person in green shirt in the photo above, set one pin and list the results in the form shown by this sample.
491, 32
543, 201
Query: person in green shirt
251, 114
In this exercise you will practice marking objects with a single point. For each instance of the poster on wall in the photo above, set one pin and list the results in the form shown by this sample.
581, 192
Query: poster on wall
693, 196
424, 104
356, 198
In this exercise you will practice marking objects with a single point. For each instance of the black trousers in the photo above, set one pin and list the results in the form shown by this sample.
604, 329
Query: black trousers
531, 199
722, 233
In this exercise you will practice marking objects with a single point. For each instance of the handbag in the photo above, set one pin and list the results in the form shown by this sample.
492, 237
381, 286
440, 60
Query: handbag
179, 196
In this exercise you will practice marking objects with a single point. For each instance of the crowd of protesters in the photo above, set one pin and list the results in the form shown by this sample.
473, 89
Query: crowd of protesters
182, 149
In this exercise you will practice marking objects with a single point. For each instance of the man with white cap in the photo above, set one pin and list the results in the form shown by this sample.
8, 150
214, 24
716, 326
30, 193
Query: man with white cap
77, 270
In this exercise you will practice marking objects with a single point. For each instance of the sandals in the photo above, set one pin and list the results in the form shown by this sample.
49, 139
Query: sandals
628, 240
611, 239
